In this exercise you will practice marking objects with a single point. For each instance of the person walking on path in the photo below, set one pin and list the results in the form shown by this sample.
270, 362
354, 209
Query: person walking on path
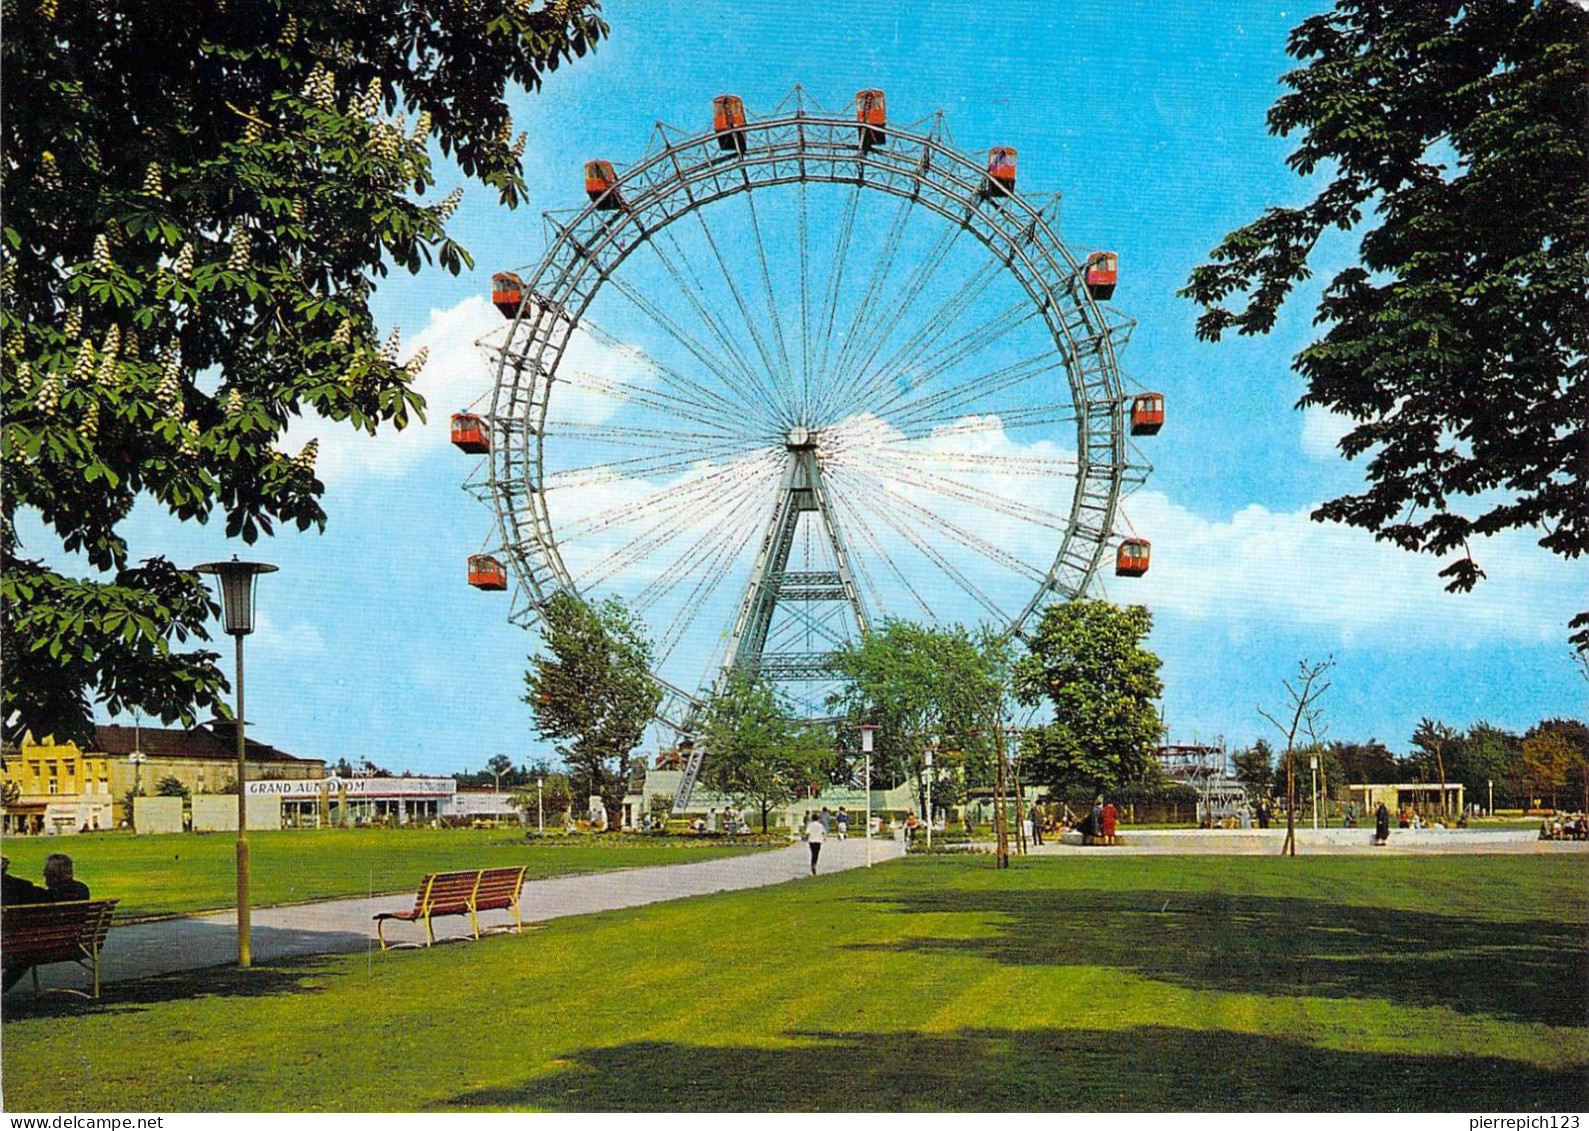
844, 823
1381, 824
815, 835
1037, 825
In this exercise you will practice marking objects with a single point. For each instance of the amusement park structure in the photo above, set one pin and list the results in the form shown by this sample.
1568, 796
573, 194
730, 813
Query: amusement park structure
816, 369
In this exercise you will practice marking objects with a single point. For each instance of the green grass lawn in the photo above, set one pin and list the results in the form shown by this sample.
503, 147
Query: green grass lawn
1113, 984
160, 875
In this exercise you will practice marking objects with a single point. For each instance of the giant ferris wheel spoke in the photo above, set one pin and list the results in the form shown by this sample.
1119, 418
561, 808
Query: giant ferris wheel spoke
831, 292
912, 290
693, 289
697, 490
621, 392
643, 465
989, 550
748, 321
713, 573
681, 389
942, 361
979, 496
803, 225
955, 400
750, 401
865, 308
773, 317
855, 520
910, 352
713, 541
994, 420
912, 534
664, 530
981, 462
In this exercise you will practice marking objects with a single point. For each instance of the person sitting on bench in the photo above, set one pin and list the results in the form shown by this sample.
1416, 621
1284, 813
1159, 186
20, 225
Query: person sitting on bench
14, 890
58, 878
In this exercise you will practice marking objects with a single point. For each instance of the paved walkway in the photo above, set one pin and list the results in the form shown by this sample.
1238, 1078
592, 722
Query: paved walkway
345, 926
1315, 842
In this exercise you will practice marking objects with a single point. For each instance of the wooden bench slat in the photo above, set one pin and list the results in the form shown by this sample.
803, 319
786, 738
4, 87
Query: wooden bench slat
461, 893
41, 934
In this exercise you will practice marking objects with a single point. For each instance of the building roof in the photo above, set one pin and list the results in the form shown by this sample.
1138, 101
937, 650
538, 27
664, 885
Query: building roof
214, 742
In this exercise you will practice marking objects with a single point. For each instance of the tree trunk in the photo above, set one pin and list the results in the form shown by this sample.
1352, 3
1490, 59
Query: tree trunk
1440, 764
1001, 829
1290, 848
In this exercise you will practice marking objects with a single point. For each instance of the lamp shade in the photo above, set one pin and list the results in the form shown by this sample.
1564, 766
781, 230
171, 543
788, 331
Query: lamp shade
236, 582
867, 730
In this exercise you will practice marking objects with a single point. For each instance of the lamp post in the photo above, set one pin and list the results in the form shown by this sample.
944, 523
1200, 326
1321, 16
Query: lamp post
929, 798
540, 809
236, 581
867, 730
1491, 783
1313, 774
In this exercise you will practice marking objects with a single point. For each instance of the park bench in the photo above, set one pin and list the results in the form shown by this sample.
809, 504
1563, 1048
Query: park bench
41, 934
459, 893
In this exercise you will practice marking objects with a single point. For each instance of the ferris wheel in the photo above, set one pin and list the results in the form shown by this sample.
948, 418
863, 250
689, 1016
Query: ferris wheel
792, 375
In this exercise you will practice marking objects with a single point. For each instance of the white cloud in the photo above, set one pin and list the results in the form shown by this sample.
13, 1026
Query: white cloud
297, 639
1263, 568
1322, 432
460, 375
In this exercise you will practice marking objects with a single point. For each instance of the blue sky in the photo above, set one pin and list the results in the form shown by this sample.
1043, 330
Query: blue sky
1149, 119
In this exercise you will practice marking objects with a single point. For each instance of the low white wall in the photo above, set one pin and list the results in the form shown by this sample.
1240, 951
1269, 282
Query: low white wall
157, 815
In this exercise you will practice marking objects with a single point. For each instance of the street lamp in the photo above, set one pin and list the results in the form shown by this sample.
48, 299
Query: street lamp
1313, 773
929, 798
236, 580
867, 730
540, 809
1491, 783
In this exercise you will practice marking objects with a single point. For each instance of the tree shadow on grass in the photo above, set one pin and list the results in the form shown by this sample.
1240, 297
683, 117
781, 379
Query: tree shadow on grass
288, 976
1154, 1068
1530, 971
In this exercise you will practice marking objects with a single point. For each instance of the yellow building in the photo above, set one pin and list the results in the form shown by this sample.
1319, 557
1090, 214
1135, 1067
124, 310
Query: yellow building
58, 788
55, 787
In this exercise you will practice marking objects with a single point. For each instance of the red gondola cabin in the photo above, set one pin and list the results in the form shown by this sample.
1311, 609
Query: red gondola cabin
485, 572
870, 113
507, 292
469, 434
1132, 560
728, 121
601, 185
1103, 268
1147, 414
1001, 171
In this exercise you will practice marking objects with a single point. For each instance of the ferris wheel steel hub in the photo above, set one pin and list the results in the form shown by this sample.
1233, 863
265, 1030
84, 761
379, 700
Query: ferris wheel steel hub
682, 175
